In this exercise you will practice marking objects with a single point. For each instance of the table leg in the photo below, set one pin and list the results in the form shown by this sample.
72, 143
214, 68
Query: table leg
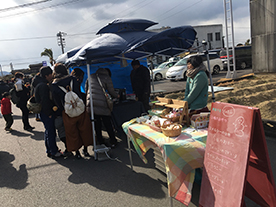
129, 152
171, 201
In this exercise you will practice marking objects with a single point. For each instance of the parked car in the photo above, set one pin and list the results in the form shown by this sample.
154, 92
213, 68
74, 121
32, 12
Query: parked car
178, 71
243, 56
160, 72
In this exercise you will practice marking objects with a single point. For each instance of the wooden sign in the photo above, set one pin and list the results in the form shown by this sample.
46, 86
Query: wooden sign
236, 162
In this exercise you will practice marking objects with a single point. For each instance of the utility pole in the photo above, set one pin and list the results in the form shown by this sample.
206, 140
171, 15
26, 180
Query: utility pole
61, 40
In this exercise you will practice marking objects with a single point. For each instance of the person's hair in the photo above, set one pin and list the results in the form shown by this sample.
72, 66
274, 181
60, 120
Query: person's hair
195, 61
135, 62
19, 75
78, 73
5, 94
45, 70
60, 70
109, 72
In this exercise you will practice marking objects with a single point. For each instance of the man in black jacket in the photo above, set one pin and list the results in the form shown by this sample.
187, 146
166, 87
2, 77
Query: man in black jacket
140, 81
42, 95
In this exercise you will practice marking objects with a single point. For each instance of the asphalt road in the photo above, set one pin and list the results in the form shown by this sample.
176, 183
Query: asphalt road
170, 86
28, 178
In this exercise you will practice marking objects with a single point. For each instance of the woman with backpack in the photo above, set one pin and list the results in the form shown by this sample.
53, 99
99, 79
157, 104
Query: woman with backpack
78, 128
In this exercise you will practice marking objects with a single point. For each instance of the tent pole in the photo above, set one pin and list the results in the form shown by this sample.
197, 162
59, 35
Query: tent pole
92, 112
151, 68
209, 69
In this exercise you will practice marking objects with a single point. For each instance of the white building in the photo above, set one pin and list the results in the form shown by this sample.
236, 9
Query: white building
212, 34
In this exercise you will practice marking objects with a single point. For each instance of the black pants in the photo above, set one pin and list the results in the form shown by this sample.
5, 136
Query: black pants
109, 128
25, 116
144, 98
9, 120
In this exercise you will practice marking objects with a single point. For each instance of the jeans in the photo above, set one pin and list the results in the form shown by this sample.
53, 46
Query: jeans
49, 134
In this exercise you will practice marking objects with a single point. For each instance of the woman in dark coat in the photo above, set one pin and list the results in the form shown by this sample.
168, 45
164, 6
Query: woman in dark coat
78, 129
24, 94
101, 111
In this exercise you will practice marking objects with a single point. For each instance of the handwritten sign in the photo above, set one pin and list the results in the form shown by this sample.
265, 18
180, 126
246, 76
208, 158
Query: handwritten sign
235, 136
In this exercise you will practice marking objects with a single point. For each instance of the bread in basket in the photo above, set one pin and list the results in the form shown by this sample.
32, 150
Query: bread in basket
172, 130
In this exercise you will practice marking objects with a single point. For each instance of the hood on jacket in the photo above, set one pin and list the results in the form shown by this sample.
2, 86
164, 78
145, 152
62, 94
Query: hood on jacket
37, 79
103, 71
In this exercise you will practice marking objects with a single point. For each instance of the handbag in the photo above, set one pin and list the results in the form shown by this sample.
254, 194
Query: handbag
33, 106
107, 96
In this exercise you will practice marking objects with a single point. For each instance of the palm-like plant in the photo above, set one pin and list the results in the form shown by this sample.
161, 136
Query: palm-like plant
48, 53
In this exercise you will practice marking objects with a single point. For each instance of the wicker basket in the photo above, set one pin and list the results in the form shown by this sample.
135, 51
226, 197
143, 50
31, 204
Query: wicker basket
172, 132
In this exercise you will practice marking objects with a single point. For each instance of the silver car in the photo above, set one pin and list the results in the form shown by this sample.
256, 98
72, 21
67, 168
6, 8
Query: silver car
160, 72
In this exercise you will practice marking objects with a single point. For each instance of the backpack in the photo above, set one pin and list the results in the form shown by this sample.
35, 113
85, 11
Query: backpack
73, 105
14, 98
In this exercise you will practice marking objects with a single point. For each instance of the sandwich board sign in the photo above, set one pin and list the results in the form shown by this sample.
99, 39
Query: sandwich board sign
236, 161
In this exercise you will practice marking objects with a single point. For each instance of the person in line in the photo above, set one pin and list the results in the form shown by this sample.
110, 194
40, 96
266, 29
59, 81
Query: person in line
23, 93
79, 74
101, 111
78, 129
33, 82
196, 92
6, 110
140, 81
47, 114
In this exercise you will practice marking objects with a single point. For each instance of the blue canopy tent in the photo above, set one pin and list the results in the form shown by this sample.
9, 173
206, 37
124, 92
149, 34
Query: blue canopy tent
126, 39
64, 57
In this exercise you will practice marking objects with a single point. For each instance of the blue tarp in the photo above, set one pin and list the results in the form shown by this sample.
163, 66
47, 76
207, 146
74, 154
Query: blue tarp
120, 75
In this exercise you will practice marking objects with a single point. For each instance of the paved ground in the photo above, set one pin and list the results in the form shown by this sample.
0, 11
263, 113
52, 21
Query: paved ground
29, 178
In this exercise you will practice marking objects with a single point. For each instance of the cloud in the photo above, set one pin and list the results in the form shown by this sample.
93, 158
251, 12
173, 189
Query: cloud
83, 18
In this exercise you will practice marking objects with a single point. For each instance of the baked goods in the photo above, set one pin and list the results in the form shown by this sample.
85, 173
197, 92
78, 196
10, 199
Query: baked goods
172, 130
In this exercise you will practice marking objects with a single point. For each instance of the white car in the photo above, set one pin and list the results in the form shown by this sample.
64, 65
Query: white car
178, 71
160, 72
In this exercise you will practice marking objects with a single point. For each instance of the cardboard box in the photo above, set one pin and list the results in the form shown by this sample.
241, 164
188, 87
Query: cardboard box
200, 120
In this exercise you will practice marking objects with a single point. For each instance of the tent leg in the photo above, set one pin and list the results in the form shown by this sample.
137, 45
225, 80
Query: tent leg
92, 113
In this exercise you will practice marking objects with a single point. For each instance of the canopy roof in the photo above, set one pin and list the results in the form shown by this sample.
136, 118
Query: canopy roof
126, 25
127, 39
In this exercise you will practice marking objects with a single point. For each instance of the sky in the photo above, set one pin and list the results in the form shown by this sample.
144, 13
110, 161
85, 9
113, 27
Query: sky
29, 26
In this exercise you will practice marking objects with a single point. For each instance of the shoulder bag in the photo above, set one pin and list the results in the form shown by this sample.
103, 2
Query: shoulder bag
107, 96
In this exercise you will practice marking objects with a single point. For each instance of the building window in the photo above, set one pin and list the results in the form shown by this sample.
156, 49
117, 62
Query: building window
217, 36
210, 37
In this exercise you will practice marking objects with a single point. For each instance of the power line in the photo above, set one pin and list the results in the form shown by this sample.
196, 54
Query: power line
181, 10
45, 37
49, 7
22, 6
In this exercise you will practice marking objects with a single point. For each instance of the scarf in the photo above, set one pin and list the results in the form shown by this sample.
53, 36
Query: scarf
192, 72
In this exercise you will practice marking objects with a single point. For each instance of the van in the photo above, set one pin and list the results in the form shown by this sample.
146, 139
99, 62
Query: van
178, 71
243, 56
